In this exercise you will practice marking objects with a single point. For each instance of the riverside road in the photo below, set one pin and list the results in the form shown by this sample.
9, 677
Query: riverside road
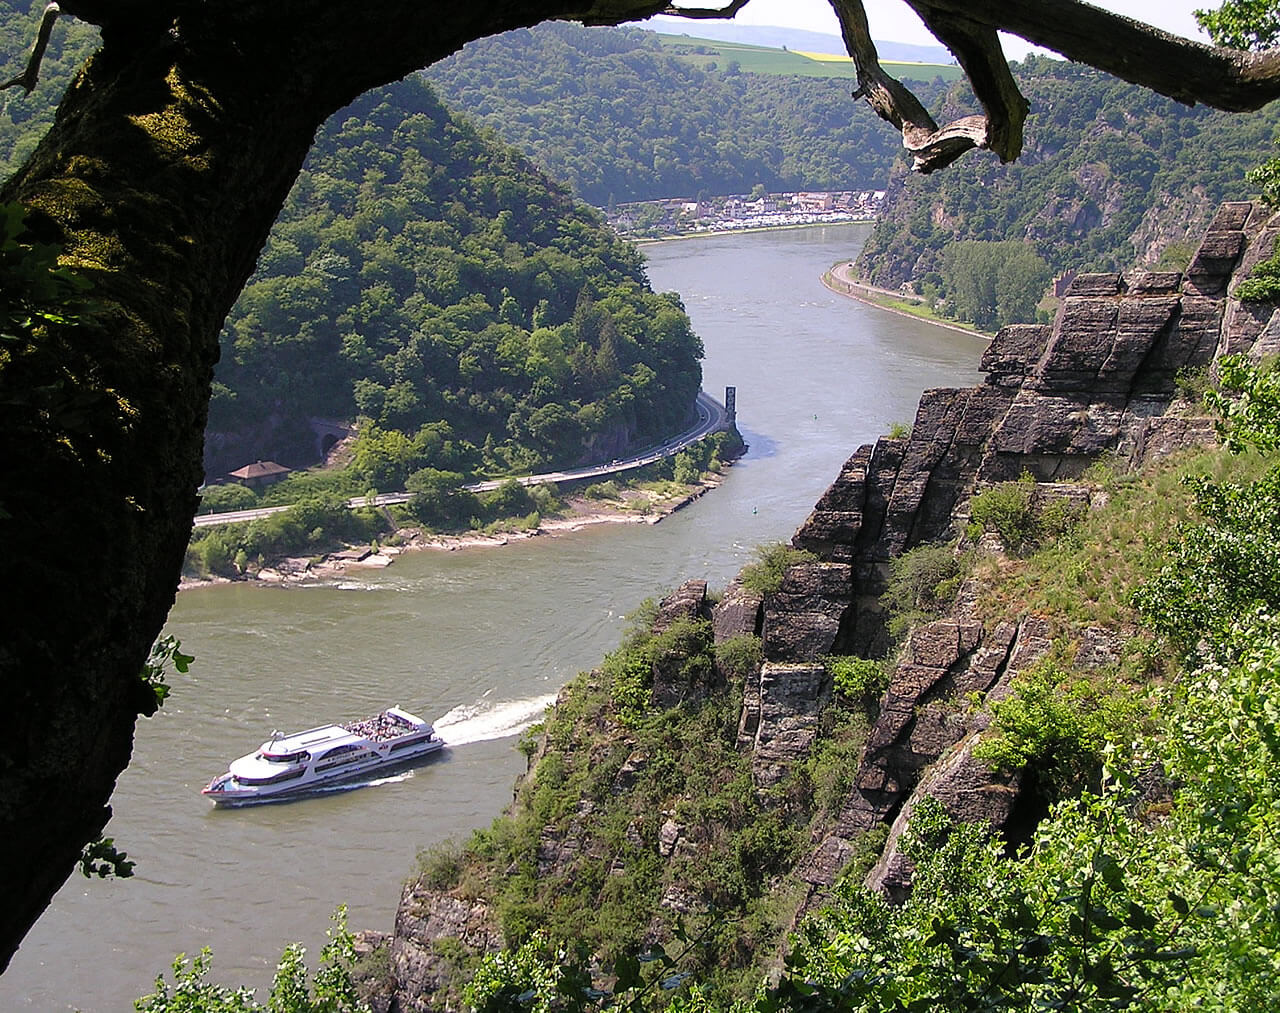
712, 418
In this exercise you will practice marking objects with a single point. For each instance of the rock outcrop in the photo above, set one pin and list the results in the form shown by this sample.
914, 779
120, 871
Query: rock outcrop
1101, 380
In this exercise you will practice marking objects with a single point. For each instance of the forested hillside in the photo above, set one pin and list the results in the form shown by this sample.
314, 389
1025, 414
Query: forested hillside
1111, 176
428, 278
610, 113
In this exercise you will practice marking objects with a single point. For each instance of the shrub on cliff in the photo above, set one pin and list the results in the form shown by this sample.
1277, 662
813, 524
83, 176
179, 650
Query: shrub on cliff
857, 680
766, 574
922, 585
1007, 510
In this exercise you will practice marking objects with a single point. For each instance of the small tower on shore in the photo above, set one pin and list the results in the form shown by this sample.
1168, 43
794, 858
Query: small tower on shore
730, 404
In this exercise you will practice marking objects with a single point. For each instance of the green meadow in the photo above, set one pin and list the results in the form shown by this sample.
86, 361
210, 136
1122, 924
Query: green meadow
785, 62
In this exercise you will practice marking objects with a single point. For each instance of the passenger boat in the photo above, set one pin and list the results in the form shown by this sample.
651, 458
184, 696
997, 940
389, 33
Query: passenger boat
291, 765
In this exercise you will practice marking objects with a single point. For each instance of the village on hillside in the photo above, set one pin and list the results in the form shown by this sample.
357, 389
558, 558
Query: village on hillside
661, 219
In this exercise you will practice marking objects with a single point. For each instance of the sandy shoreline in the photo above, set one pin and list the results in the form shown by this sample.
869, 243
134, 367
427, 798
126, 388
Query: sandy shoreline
584, 513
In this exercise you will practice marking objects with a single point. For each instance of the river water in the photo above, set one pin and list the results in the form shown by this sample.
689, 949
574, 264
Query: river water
479, 640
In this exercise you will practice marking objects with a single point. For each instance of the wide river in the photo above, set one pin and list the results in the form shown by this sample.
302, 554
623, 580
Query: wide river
479, 640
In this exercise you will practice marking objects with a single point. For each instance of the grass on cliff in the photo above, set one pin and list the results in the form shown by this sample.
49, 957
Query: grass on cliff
1086, 576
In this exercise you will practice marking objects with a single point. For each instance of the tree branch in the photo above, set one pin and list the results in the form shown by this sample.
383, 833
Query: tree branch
978, 49
1184, 70
27, 79
1187, 71
932, 148
707, 12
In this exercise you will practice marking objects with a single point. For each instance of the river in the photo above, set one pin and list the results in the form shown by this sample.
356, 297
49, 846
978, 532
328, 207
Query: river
479, 640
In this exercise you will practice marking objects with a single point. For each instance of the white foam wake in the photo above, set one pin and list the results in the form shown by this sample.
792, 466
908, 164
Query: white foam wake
481, 721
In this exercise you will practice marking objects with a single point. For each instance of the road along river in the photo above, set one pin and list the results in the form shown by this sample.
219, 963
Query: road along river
479, 640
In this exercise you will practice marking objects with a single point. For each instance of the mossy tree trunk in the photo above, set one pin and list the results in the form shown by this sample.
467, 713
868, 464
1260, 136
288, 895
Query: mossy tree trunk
169, 160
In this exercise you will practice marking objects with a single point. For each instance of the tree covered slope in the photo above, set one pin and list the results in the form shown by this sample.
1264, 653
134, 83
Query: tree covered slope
1112, 174
611, 113
422, 273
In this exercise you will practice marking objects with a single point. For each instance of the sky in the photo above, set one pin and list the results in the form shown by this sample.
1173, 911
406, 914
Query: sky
894, 21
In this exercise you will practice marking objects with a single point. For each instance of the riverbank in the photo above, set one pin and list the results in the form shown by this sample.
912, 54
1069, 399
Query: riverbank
839, 280
719, 233
636, 507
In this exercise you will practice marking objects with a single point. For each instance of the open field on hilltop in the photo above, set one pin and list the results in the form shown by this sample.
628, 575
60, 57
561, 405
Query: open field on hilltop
782, 62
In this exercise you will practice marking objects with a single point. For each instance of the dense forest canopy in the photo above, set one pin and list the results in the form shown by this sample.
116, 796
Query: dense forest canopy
609, 112
421, 273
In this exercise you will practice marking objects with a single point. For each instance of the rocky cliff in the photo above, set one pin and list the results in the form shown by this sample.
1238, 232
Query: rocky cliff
1102, 380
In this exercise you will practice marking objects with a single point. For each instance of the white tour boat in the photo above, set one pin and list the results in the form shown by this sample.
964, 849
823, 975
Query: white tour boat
294, 764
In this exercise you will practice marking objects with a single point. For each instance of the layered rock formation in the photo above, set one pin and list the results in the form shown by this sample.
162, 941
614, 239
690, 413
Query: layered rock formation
1099, 381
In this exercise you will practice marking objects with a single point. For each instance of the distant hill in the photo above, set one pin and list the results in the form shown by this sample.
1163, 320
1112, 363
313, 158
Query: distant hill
614, 114
776, 37
711, 54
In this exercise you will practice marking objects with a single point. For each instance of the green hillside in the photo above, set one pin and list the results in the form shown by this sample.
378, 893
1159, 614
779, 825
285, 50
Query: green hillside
620, 118
426, 277
1111, 175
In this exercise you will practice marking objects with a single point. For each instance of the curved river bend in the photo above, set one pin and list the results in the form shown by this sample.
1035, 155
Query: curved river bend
479, 640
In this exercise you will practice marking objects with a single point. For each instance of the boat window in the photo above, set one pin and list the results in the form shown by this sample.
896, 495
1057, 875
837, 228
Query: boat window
338, 757
338, 751
283, 757
284, 775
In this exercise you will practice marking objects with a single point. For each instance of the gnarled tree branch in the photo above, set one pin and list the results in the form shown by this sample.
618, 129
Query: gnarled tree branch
932, 148
28, 78
1179, 68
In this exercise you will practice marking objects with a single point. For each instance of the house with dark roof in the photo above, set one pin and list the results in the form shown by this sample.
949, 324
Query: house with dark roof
260, 474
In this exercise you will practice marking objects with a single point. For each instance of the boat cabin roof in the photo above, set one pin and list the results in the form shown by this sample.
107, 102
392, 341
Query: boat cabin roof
311, 739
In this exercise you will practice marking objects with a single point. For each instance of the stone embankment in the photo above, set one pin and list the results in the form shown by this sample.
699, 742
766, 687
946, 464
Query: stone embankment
1100, 381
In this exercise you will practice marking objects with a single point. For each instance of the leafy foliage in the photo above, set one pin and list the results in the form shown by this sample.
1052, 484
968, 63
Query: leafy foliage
166, 651
428, 278
857, 679
990, 284
1263, 283
922, 583
1248, 402
317, 523
766, 574
1242, 24
331, 990
1057, 725
103, 859
1010, 509
738, 656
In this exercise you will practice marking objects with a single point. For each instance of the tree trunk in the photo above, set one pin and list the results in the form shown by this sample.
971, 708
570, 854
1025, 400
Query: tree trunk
170, 157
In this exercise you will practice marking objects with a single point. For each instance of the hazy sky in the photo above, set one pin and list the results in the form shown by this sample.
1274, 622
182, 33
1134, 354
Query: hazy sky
894, 21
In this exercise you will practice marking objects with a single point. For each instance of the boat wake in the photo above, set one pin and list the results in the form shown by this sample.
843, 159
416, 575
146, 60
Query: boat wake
482, 721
